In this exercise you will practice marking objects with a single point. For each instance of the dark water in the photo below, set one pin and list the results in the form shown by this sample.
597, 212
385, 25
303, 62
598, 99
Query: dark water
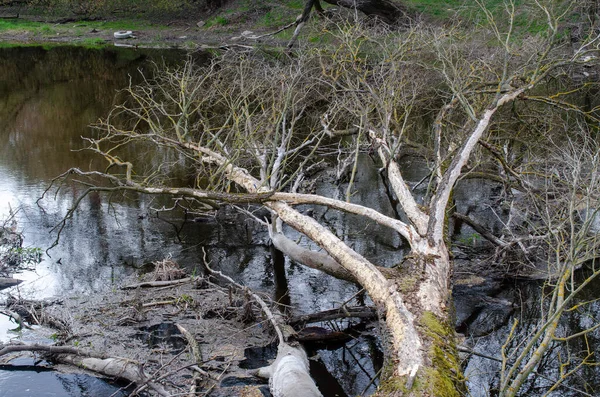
48, 98
483, 373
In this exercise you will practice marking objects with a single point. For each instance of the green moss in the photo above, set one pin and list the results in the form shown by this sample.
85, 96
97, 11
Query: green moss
433, 326
391, 386
444, 374
441, 378
407, 283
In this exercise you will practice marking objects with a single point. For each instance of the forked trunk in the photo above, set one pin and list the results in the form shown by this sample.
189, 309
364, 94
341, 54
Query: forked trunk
420, 355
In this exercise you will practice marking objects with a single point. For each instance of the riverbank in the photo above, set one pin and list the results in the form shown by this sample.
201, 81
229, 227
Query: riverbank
184, 333
101, 33
204, 28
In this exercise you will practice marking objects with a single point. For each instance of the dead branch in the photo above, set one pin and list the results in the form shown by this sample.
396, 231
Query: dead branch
168, 283
258, 299
480, 229
192, 342
335, 314
21, 347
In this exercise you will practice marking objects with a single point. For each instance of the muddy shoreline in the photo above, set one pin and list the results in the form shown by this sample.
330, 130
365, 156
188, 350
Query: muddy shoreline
142, 324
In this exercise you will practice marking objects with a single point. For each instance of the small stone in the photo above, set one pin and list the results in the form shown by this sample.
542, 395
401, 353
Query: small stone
200, 24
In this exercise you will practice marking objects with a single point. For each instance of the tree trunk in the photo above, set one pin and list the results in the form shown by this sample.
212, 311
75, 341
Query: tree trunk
421, 357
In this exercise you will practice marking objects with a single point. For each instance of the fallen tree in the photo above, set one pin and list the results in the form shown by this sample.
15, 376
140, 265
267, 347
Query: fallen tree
250, 129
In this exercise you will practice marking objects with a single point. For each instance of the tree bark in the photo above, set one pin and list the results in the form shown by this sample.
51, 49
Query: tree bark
289, 375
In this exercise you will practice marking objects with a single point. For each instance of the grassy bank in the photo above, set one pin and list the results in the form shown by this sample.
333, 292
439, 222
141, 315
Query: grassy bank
186, 23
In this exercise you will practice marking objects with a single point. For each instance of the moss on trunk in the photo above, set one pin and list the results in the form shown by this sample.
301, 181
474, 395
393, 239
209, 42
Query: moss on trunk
441, 376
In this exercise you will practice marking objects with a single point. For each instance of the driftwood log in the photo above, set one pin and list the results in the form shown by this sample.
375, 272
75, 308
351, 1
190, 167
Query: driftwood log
113, 367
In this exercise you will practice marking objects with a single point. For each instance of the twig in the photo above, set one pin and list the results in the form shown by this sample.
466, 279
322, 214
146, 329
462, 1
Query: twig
257, 298
168, 283
192, 342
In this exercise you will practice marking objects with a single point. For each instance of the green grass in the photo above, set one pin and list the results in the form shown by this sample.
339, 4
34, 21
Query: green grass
529, 19
273, 19
75, 29
93, 43
219, 20
19, 25
447, 8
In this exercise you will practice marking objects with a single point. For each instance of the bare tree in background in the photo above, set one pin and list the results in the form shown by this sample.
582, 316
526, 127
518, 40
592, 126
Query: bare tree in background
565, 221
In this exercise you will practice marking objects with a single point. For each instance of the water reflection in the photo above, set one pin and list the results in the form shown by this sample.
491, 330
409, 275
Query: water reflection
48, 97
482, 373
